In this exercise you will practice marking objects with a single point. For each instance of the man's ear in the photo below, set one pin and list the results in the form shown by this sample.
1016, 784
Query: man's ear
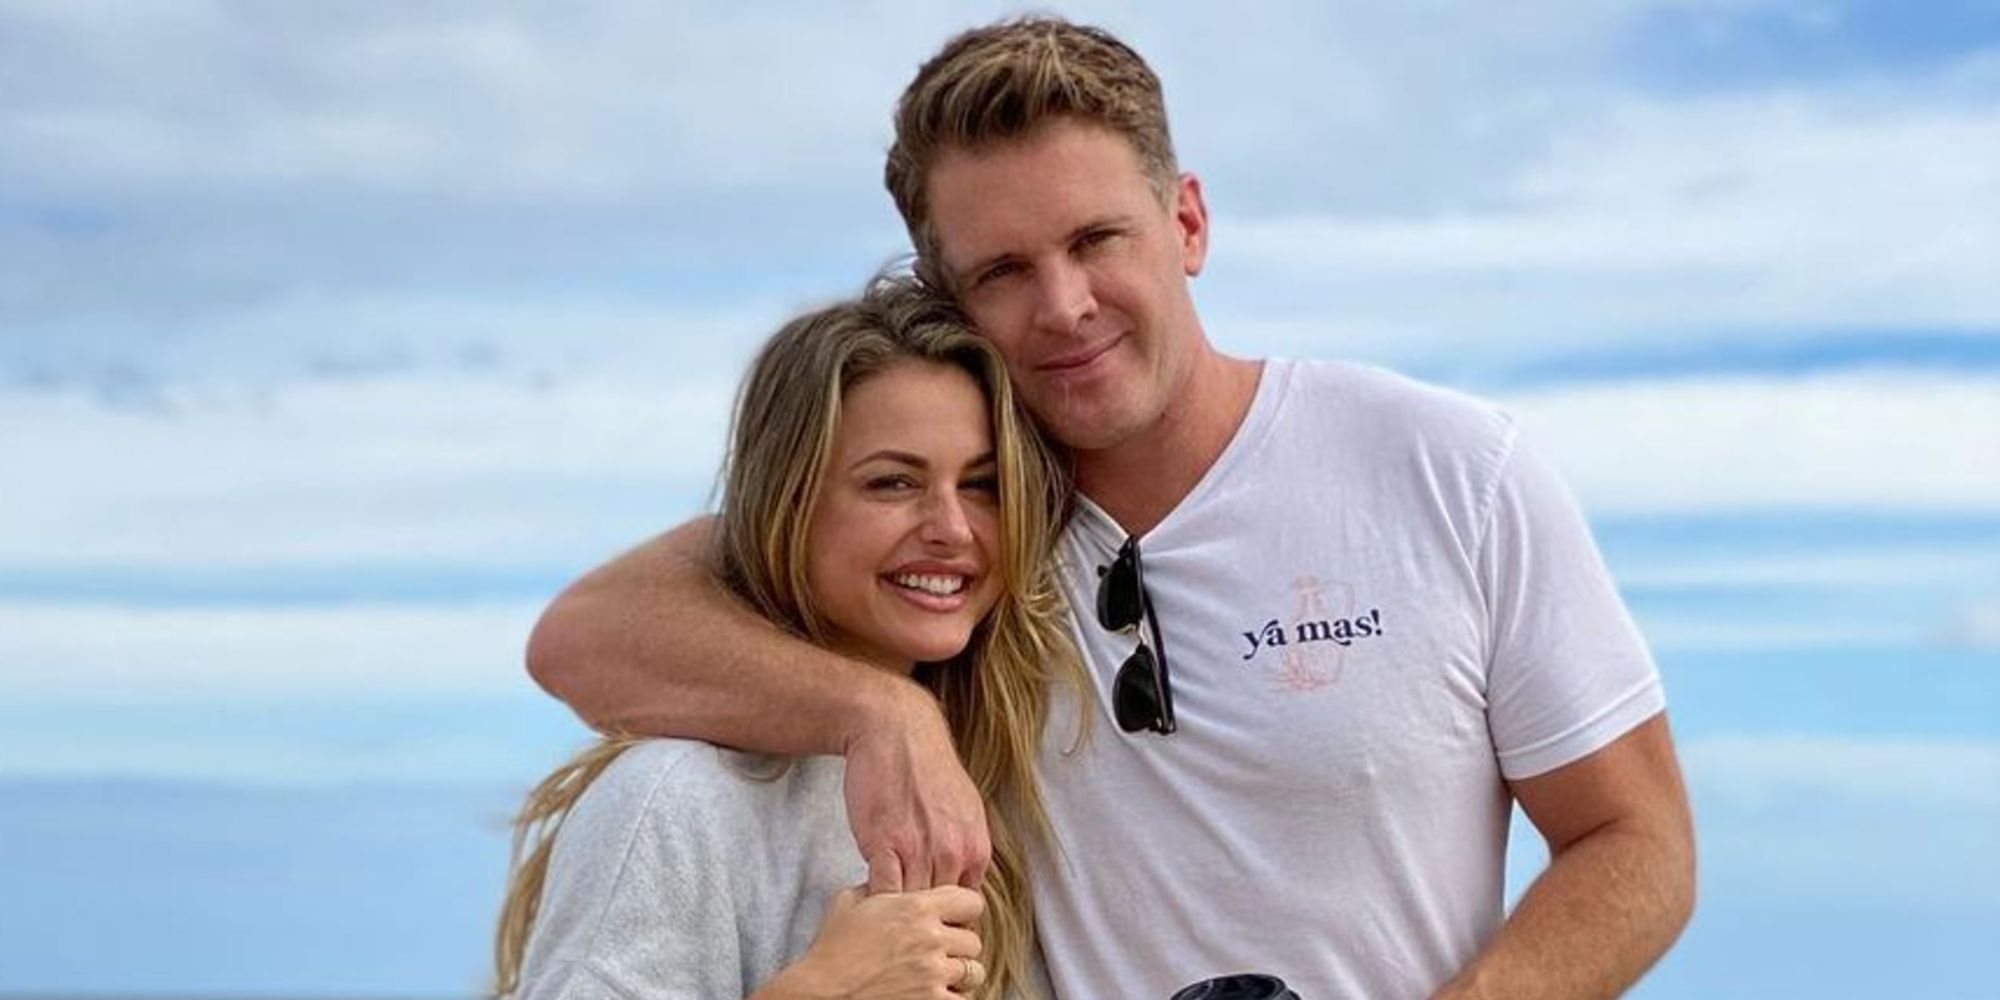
1191, 214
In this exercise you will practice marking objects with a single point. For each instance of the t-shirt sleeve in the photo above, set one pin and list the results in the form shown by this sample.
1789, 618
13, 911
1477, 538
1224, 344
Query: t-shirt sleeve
643, 899
1568, 671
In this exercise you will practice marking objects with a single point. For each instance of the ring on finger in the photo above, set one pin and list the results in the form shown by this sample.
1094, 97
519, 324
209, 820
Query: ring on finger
970, 974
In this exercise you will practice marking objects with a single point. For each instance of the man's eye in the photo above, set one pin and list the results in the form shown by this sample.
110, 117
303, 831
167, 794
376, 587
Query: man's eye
996, 273
1095, 237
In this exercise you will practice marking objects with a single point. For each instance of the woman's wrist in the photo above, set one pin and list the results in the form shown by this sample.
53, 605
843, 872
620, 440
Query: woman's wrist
792, 983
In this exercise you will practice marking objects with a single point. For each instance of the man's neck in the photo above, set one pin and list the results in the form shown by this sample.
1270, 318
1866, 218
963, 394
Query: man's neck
1141, 480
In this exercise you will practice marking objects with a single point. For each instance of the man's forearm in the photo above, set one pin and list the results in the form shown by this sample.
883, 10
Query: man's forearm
1601, 914
649, 644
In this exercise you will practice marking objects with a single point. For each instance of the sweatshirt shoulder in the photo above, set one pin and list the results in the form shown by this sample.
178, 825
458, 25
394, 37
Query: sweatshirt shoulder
686, 785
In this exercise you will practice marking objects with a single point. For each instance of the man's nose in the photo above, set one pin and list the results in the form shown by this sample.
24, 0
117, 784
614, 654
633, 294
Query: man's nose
1063, 298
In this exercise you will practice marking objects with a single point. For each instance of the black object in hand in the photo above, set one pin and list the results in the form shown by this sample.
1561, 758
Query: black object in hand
1242, 986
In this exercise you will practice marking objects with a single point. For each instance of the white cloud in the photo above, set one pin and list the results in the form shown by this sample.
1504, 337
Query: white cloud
242, 155
323, 694
309, 189
1754, 771
485, 468
1785, 211
1830, 442
614, 101
1854, 820
480, 471
1672, 634
1973, 624
86, 653
1876, 566
623, 98
1804, 596
239, 155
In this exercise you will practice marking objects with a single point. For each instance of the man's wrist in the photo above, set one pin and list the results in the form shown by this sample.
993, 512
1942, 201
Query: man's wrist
889, 706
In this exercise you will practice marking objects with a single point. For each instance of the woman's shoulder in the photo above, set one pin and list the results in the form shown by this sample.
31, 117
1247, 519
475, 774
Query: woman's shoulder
692, 788
691, 774
659, 806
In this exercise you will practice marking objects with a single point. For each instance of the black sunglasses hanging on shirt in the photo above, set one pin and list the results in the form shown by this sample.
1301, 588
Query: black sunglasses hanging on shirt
1142, 696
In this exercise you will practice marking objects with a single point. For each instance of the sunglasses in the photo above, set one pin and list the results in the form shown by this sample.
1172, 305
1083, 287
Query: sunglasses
1142, 697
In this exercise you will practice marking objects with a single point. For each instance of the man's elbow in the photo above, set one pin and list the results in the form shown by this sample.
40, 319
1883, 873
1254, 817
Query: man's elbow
1672, 882
1682, 881
554, 654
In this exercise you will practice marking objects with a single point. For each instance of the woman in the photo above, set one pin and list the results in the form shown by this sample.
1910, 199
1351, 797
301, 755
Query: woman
884, 496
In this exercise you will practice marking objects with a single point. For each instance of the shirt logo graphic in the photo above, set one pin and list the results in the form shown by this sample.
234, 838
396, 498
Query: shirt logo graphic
1314, 644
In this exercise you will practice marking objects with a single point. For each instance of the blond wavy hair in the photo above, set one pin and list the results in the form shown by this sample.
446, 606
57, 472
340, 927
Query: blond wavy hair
992, 693
1007, 80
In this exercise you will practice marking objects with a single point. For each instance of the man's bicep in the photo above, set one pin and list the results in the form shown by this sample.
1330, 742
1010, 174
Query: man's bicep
1634, 781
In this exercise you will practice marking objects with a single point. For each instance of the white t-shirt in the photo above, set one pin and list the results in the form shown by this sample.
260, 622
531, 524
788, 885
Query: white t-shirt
1375, 607
689, 872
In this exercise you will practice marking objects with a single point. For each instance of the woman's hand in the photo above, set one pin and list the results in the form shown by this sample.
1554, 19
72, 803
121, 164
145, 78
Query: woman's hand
890, 946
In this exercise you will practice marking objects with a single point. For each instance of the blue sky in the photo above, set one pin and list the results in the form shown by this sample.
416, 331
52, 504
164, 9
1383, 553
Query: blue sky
334, 340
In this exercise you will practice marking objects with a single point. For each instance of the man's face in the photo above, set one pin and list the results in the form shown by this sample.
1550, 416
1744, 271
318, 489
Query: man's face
1064, 256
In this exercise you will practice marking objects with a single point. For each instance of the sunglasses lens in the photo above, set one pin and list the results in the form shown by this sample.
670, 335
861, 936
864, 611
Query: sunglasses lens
1135, 698
1118, 594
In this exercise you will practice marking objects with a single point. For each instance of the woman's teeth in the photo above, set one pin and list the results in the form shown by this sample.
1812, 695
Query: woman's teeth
930, 583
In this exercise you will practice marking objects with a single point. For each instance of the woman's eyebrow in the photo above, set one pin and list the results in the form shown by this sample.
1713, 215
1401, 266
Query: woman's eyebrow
916, 461
892, 455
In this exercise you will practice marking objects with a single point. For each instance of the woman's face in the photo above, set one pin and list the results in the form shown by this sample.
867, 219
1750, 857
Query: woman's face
900, 555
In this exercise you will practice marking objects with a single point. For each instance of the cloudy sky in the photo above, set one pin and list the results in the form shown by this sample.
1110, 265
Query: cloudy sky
335, 338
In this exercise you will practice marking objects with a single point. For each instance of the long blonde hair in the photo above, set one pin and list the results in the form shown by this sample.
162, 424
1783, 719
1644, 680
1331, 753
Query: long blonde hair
993, 692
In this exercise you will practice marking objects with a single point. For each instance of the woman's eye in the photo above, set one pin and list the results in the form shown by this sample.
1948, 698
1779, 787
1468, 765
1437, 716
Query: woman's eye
989, 485
891, 484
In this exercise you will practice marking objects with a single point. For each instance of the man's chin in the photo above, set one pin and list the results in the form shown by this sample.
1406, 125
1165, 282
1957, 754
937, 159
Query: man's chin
1092, 429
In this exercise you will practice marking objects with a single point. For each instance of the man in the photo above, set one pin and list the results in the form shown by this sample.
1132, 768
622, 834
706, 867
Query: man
1342, 620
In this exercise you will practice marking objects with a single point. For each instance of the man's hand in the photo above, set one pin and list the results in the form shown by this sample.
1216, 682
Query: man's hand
916, 816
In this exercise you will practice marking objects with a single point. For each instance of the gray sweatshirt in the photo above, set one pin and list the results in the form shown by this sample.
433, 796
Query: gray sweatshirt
690, 872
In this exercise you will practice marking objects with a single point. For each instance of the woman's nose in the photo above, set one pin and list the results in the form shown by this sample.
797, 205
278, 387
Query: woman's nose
944, 519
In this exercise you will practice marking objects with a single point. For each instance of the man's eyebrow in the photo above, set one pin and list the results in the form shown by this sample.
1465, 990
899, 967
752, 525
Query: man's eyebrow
1119, 221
